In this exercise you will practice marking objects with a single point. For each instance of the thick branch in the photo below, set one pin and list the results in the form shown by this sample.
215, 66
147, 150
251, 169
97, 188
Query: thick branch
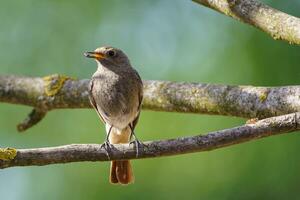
274, 22
94, 152
57, 92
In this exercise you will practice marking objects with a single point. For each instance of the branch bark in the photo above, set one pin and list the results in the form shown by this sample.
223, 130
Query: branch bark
279, 25
58, 92
94, 152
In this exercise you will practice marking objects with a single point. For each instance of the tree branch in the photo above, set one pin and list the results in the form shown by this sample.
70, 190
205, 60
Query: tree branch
57, 92
279, 25
93, 152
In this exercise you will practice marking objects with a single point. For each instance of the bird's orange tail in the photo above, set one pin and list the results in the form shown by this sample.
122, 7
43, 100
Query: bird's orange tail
121, 172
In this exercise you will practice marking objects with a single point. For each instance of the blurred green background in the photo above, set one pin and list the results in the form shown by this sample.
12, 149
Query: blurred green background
165, 40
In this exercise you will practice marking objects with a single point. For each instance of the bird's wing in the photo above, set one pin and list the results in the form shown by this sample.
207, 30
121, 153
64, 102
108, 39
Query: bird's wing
135, 121
93, 102
140, 94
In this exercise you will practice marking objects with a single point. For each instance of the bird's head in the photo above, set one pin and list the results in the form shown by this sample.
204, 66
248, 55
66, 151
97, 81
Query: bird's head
109, 56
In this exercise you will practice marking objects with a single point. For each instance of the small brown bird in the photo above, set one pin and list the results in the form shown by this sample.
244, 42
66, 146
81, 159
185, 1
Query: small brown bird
116, 93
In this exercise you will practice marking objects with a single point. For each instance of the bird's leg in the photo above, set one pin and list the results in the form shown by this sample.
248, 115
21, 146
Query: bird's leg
106, 144
136, 141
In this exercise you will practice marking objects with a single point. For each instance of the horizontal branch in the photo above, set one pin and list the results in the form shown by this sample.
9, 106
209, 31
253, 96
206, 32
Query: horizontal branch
58, 91
277, 24
93, 152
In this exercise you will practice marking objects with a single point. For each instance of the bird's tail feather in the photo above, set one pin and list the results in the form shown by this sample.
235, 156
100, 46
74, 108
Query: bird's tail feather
120, 170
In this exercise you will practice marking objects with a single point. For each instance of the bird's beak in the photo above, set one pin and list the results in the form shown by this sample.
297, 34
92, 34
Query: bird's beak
96, 55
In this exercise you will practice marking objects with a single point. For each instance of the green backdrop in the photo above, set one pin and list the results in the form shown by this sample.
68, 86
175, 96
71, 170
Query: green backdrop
165, 40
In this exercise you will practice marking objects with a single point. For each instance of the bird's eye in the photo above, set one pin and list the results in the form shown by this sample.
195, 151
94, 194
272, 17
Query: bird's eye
111, 53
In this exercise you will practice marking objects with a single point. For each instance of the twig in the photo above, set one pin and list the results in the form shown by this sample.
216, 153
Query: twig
33, 118
94, 152
277, 24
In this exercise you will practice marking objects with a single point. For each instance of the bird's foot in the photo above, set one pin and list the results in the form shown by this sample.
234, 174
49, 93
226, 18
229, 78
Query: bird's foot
137, 144
107, 146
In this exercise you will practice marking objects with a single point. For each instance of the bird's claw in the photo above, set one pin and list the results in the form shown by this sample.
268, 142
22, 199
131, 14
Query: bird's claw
137, 144
107, 146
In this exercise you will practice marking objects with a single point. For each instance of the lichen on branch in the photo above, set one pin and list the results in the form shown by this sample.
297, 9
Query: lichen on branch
7, 154
53, 83
240, 101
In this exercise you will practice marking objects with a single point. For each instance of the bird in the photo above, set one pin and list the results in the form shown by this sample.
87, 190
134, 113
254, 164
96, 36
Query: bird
116, 93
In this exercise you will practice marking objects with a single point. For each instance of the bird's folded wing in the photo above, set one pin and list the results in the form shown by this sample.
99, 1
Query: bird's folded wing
135, 121
93, 102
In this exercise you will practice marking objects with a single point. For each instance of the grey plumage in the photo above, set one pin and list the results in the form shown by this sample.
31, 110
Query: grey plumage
116, 93
116, 90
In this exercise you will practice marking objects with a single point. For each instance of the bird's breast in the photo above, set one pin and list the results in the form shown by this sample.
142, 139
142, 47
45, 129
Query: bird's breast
116, 98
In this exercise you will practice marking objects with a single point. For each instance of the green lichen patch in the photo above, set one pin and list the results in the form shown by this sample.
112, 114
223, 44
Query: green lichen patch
53, 83
194, 91
263, 97
7, 153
